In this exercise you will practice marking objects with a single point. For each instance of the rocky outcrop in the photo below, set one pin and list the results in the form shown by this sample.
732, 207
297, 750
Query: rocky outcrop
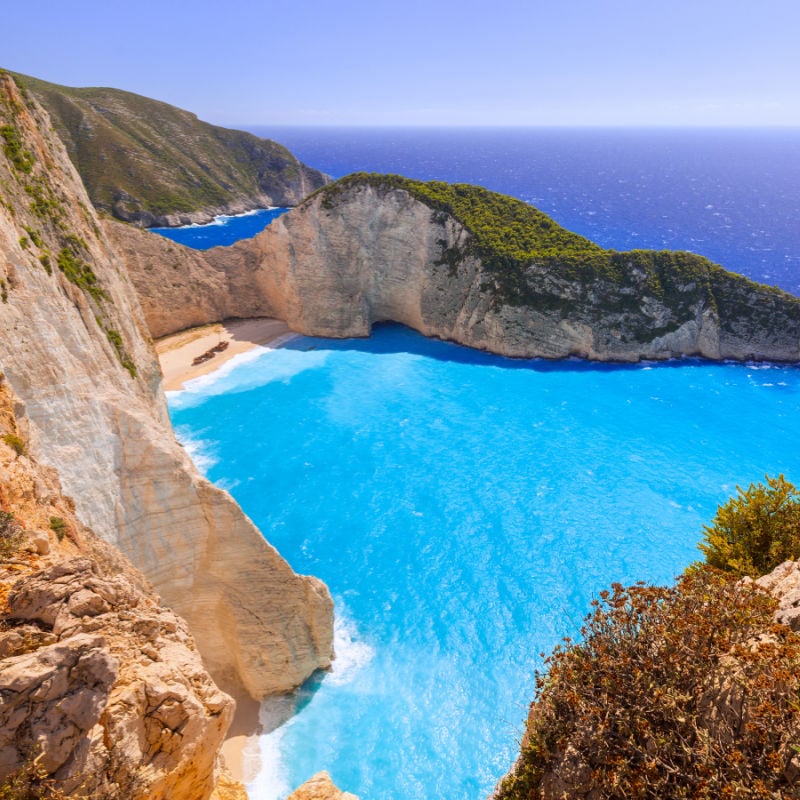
783, 583
108, 688
153, 164
379, 248
75, 348
102, 690
320, 787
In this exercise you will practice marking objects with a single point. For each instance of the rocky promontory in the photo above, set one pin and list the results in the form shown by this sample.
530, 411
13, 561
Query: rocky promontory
104, 693
467, 265
150, 163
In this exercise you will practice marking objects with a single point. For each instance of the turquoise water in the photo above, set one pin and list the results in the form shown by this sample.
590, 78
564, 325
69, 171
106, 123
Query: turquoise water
464, 509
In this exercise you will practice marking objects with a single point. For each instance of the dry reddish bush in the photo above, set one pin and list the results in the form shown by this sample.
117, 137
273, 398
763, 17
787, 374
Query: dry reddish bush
682, 692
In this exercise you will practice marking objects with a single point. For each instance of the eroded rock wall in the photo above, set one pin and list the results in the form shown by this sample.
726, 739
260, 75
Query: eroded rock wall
104, 693
75, 348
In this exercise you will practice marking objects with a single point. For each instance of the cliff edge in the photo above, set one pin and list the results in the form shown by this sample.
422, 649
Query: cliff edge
76, 352
464, 264
104, 693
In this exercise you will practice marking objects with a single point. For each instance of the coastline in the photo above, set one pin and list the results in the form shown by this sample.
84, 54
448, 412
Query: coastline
177, 351
205, 220
175, 354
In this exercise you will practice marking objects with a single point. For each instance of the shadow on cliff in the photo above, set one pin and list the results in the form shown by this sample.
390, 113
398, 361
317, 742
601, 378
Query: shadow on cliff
396, 338
279, 709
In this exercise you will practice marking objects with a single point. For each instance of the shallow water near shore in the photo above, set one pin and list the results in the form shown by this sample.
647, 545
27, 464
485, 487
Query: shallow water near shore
464, 509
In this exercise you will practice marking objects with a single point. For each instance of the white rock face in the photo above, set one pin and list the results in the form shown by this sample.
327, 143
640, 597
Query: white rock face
257, 624
783, 583
370, 254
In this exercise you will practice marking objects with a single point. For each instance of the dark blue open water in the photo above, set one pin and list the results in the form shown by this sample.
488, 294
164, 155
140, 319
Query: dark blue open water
465, 508
730, 195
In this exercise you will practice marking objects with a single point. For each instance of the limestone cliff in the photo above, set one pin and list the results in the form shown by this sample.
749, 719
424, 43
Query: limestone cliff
320, 787
153, 164
75, 349
463, 264
103, 691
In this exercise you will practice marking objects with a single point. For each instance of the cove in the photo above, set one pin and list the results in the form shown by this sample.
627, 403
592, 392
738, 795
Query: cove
464, 509
224, 230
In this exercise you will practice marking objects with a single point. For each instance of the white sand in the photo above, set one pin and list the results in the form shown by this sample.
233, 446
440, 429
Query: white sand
176, 352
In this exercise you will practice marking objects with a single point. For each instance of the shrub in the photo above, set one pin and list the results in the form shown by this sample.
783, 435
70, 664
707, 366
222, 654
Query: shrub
670, 694
15, 443
34, 236
80, 273
58, 526
30, 782
10, 534
756, 530
20, 158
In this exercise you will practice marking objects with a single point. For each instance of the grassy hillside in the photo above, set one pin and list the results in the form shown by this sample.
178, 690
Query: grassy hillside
142, 160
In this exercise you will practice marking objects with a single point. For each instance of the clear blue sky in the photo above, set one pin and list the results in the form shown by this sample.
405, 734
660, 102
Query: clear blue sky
427, 62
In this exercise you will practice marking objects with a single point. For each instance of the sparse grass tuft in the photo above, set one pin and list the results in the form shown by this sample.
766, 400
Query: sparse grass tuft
10, 536
15, 443
59, 527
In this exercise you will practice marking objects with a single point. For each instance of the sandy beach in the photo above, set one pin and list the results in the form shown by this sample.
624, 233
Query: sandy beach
176, 352
243, 735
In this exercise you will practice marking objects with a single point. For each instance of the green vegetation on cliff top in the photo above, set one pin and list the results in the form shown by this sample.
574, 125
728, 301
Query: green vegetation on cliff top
141, 159
755, 531
35, 191
518, 245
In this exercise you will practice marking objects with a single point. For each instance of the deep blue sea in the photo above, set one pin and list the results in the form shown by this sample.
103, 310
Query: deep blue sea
223, 230
464, 508
730, 195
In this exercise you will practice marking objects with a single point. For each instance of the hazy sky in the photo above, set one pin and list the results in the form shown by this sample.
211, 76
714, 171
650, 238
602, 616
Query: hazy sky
427, 62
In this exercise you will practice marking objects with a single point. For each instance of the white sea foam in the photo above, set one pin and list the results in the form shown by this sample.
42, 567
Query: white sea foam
201, 451
280, 365
264, 762
271, 781
223, 219
352, 653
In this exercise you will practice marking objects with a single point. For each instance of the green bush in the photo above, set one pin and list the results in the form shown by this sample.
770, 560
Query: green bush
80, 273
21, 159
15, 443
756, 530
59, 527
682, 692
